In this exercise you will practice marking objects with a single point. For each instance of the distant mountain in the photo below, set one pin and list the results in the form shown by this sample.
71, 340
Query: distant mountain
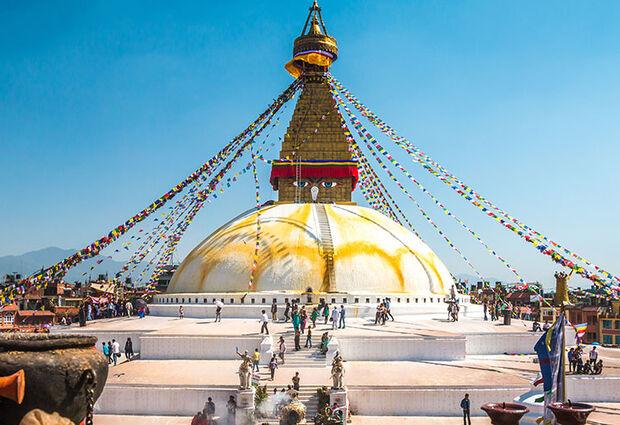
28, 263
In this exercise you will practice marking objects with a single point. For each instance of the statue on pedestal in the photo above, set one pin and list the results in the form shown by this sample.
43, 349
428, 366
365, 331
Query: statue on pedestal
244, 370
337, 372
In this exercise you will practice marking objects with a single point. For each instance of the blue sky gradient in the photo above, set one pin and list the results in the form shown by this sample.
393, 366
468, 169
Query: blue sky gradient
106, 105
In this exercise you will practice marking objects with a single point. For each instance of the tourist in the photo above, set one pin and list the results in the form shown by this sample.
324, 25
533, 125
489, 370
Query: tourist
296, 380
128, 349
326, 312
388, 309
450, 311
593, 356
324, 342
231, 407
536, 326
314, 316
110, 357
106, 351
264, 320
255, 360
546, 325
335, 316
598, 368
116, 350
308, 339
492, 312
297, 343
209, 411
218, 311
287, 310
321, 306
129, 308
378, 314
341, 323
282, 349
303, 318
180, 312
484, 309
199, 419
465, 405
274, 311
570, 355
141, 312
273, 365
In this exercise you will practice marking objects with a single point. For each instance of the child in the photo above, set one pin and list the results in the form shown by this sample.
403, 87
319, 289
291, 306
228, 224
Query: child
309, 339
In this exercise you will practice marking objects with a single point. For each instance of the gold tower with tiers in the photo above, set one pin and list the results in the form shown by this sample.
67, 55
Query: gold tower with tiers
315, 154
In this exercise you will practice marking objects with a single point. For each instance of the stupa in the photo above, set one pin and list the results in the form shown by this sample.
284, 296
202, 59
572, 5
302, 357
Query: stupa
313, 238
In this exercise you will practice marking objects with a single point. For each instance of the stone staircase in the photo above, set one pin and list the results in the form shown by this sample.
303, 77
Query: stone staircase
326, 245
306, 357
309, 398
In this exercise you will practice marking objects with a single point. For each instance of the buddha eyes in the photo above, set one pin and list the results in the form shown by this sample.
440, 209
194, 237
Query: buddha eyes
306, 184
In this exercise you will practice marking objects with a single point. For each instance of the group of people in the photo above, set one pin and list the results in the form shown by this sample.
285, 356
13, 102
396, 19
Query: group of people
383, 312
112, 350
576, 364
207, 415
453, 311
105, 310
495, 308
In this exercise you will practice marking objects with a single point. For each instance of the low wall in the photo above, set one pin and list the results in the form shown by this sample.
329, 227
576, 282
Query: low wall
161, 400
402, 348
369, 401
508, 342
120, 336
588, 388
195, 347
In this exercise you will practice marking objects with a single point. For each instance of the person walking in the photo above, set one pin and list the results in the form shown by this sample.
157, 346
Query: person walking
181, 312
341, 323
484, 309
209, 411
106, 351
388, 309
231, 408
287, 312
465, 405
116, 350
326, 313
297, 343
218, 311
593, 356
264, 320
314, 316
308, 339
335, 316
128, 349
296, 380
273, 365
274, 311
255, 360
570, 356
303, 318
129, 308
282, 349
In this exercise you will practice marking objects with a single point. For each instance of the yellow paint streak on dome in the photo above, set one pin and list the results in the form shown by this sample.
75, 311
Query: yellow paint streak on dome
357, 248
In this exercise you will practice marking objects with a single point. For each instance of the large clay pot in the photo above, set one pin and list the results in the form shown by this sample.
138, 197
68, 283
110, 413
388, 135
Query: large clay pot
571, 413
505, 413
59, 370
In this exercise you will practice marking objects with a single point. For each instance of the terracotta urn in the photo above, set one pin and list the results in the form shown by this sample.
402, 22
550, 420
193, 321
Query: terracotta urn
505, 413
59, 370
571, 413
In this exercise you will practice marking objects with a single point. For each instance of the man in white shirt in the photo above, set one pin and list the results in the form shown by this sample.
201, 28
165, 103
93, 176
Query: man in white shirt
335, 316
264, 320
129, 308
116, 350
593, 356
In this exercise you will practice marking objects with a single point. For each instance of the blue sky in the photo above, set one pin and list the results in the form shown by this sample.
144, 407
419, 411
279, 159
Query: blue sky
106, 105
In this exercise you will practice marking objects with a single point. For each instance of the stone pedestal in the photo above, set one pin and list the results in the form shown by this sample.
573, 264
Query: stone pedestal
341, 398
245, 406
266, 350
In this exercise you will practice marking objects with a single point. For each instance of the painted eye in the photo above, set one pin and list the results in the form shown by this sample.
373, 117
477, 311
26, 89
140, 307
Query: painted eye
329, 184
300, 184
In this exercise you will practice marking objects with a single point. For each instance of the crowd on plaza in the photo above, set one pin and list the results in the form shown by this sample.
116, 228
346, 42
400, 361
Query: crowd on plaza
576, 364
112, 350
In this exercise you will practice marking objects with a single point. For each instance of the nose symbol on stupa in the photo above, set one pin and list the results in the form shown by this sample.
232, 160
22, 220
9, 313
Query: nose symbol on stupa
314, 191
